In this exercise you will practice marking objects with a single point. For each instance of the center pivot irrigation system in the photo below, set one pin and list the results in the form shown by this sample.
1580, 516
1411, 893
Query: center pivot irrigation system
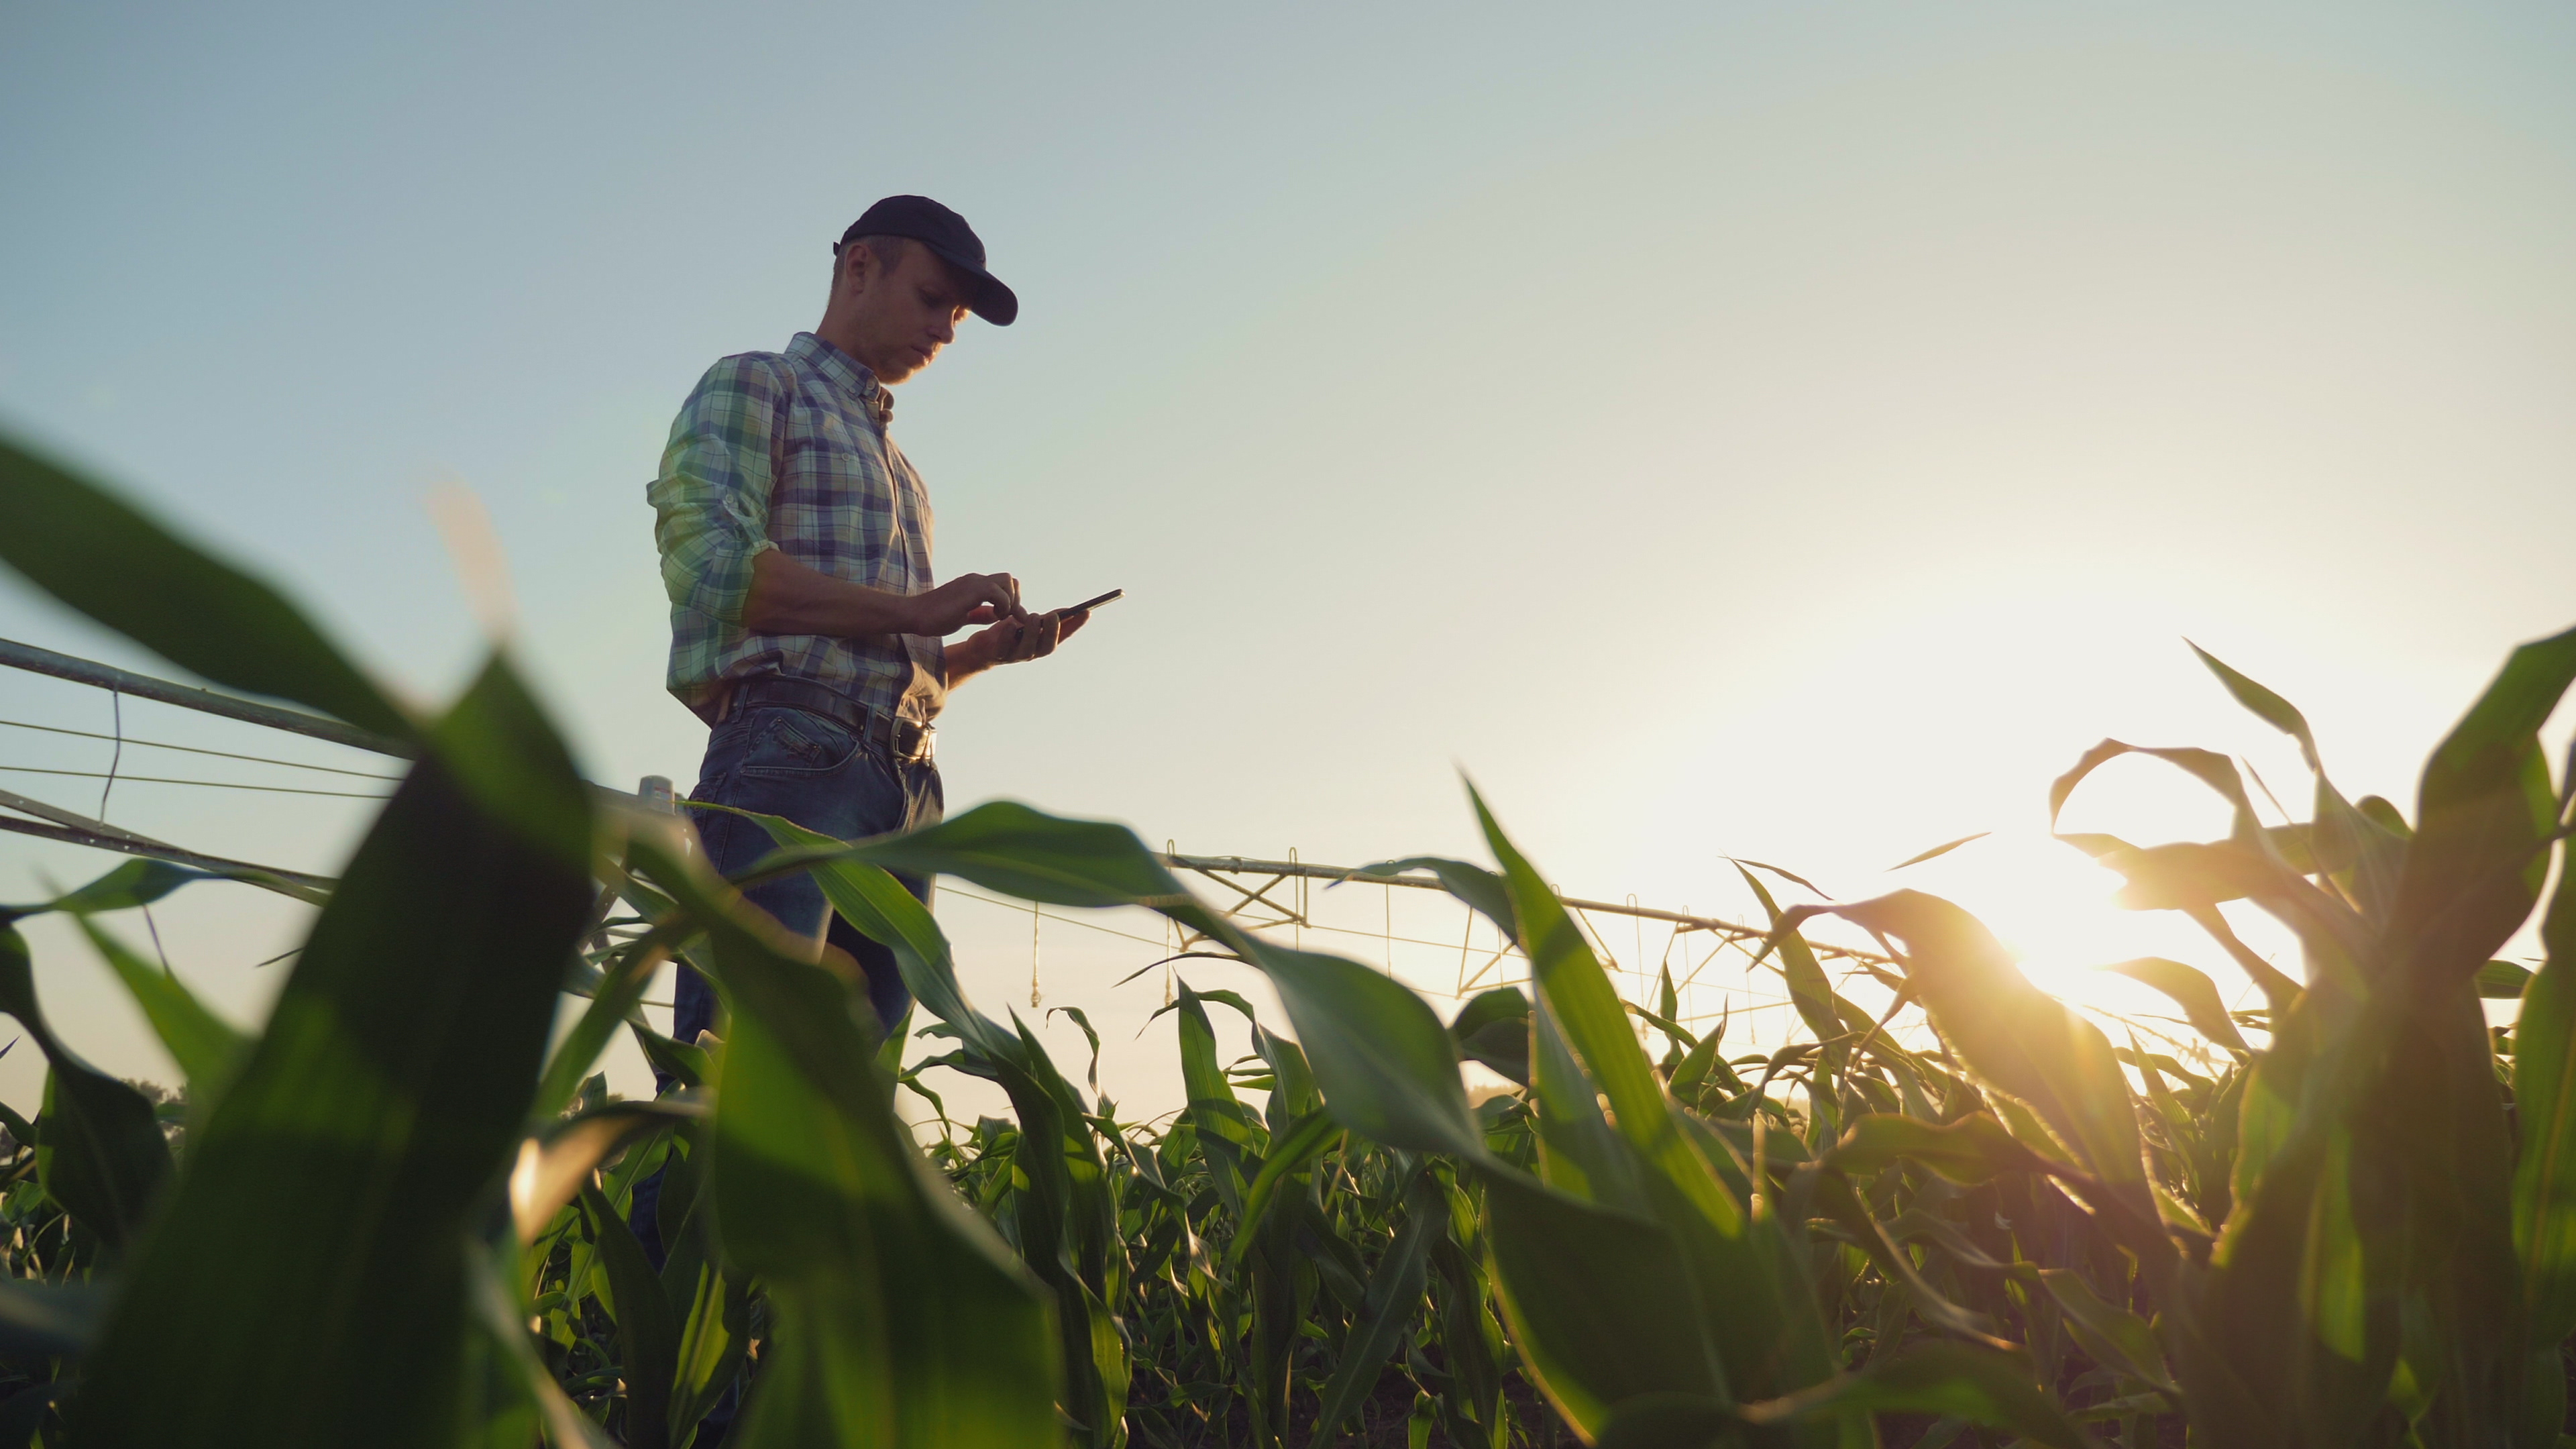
1710, 959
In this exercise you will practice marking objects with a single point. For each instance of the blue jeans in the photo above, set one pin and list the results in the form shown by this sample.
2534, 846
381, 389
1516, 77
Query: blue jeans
817, 772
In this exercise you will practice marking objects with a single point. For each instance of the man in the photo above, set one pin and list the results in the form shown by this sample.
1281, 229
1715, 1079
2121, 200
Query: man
795, 539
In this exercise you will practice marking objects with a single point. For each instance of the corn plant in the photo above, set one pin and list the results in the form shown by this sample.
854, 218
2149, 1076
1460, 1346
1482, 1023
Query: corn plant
1956, 1211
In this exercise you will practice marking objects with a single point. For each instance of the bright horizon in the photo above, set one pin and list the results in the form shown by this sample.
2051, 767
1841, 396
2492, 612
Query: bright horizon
1763, 433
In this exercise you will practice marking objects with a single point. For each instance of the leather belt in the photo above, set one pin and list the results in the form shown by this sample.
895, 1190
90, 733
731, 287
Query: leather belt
906, 740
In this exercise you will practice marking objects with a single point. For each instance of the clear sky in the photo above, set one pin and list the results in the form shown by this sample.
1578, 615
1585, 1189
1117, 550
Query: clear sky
1773, 430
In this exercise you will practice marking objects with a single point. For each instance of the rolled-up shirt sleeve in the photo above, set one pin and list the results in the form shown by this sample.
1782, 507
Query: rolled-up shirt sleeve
711, 500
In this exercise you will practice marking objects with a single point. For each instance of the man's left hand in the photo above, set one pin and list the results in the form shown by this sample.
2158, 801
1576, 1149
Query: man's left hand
1015, 641
1011, 641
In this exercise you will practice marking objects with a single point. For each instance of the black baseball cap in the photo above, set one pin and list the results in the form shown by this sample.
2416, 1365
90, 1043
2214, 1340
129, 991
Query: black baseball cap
947, 234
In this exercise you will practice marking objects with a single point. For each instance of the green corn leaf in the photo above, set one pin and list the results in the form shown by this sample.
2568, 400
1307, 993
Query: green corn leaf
1701, 1072
1979, 1385
1580, 1153
1956, 1380
2115, 1337
1596, 1029
2212, 769
1599, 1302
552, 1168
1393, 1302
1936, 852
1292, 1091
99, 1148
1008, 847
135, 883
1229, 998
1076, 1015
1387, 1068
713, 1304
1971, 1150
2187, 874
1671, 1421
1292, 1152
1917, 1226
2484, 814
207, 1048
2195, 877
1830, 1194
648, 1334
1068, 1232
1809, 989
1494, 1029
2503, 980
1067, 1220
616, 999
2192, 990
2286, 1342
899, 1318
2432, 1156
1473, 884
499, 1329
878, 907
1471, 1337
1502, 1005
99, 555
2544, 1090
691, 1065
1759, 1313
2025, 1043
2266, 706
40, 1319
2385, 815
389, 1092
1227, 1130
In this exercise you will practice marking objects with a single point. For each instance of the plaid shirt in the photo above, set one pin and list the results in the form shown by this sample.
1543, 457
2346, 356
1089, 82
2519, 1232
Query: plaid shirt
789, 451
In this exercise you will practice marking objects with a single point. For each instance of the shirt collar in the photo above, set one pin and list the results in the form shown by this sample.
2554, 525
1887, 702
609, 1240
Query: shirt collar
846, 373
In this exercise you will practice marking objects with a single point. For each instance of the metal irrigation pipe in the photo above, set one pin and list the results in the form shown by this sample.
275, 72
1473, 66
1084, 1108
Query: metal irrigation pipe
1732, 930
97, 835
143, 686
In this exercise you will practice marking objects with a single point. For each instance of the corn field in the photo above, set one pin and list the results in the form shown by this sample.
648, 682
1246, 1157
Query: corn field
406, 1212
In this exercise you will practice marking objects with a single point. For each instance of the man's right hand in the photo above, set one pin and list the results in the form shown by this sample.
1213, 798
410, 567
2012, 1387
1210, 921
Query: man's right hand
963, 600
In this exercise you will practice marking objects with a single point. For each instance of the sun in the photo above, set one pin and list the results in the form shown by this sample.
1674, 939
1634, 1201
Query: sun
2051, 906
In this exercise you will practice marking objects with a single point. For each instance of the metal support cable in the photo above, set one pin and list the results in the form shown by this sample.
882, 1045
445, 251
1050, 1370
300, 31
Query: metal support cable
194, 750
121, 682
112, 777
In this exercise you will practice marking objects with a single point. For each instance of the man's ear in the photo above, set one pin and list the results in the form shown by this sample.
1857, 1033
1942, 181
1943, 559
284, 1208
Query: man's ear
858, 268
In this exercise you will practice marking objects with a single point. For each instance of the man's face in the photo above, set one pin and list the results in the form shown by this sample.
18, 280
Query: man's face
905, 314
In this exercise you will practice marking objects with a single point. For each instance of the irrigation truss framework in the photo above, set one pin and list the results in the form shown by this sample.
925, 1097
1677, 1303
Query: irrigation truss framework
1440, 948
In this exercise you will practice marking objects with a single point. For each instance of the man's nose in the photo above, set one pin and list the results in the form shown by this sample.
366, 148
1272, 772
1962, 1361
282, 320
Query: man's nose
944, 329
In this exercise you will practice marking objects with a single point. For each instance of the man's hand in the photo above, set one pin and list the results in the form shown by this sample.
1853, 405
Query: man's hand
1035, 637
967, 599
1012, 641
787, 597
